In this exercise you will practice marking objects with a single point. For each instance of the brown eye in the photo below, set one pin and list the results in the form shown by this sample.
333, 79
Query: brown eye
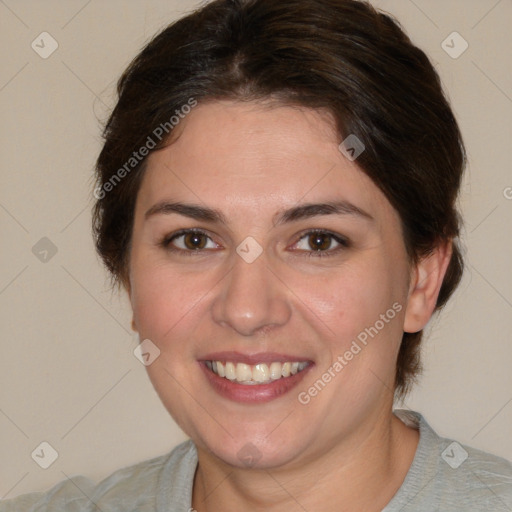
320, 241
188, 242
194, 241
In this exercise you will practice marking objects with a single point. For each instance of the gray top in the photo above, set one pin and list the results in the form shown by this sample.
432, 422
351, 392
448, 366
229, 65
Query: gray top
444, 476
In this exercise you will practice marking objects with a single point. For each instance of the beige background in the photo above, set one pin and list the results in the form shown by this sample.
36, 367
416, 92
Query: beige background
68, 373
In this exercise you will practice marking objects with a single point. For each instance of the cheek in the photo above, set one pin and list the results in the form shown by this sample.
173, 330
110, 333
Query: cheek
165, 300
350, 299
364, 312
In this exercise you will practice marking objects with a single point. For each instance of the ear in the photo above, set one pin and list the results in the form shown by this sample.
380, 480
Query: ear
427, 278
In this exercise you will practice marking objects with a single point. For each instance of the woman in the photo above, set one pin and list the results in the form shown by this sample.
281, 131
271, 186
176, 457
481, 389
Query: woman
276, 193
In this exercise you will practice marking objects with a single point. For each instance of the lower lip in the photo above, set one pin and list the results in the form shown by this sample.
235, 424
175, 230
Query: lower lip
253, 393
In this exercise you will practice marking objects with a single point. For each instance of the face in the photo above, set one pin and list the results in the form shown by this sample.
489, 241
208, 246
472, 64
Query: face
231, 262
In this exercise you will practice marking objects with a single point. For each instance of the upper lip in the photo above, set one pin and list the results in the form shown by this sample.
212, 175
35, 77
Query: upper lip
252, 359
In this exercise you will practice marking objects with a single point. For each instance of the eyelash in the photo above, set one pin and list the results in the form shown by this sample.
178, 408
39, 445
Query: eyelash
344, 243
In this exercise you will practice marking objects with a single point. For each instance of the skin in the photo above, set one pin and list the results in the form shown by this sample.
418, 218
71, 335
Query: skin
344, 450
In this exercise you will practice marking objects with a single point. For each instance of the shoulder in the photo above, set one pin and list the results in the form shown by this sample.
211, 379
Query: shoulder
451, 476
484, 479
135, 487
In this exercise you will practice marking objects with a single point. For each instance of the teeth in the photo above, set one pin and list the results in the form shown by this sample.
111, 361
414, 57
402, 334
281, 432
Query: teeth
243, 372
260, 373
230, 371
302, 366
275, 371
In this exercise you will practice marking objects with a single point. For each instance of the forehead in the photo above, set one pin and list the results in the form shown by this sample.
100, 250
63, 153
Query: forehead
259, 157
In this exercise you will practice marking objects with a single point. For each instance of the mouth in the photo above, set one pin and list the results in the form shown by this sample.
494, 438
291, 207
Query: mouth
261, 373
256, 378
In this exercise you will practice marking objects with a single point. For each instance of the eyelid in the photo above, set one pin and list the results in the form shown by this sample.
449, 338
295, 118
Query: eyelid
337, 236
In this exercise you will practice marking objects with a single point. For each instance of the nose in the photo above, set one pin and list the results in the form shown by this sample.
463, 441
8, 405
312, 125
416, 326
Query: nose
251, 298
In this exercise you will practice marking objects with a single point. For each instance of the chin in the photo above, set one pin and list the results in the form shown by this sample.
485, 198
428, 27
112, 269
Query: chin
253, 448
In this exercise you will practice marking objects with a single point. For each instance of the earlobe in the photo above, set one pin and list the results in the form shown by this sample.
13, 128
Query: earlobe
426, 281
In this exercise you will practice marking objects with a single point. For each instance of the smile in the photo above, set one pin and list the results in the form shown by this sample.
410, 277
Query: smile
254, 378
261, 373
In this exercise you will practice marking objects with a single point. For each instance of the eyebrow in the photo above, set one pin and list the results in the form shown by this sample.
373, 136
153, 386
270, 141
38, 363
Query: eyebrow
300, 212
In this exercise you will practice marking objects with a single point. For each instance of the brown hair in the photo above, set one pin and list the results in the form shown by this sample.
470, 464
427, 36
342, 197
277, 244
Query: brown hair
339, 55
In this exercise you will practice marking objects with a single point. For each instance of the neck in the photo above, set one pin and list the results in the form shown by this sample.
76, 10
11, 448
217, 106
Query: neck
360, 473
